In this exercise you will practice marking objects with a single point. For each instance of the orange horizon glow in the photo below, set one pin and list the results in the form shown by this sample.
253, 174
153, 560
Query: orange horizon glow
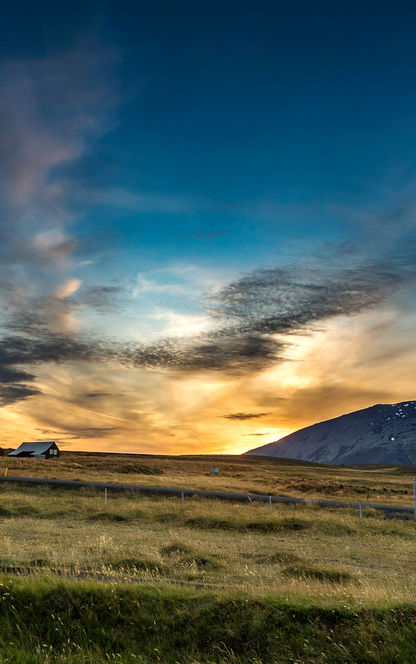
194, 414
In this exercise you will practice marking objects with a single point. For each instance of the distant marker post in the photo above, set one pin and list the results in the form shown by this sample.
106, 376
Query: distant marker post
105, 496
414, 497
270, 503
361, 511
183, 498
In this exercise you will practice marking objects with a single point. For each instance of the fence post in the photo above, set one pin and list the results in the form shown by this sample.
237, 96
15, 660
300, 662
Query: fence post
270, 504
183, 498
105, 496
361, 511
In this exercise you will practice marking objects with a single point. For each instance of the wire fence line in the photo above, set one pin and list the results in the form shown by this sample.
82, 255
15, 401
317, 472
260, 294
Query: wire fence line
111, 487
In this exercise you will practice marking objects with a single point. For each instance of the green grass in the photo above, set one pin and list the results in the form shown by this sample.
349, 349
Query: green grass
300, 570
175, 548
207, 522
277, 557
133, 565
147, 580
44, 621
208, 543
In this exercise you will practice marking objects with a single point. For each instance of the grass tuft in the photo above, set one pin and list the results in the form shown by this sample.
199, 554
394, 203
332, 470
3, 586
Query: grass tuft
305, 571
277, 557
202, 562
175, 548
108, 516
207, 522
135, 565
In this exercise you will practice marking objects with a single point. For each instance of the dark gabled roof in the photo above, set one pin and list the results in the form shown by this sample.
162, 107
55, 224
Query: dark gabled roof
34, 449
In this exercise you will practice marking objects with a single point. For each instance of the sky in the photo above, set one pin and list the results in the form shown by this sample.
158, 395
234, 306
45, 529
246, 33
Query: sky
207, 220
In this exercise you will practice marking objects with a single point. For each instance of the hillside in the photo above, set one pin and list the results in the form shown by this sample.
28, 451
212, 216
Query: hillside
381, 434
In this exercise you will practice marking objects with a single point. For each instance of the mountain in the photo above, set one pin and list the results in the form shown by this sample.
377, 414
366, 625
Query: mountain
382, 434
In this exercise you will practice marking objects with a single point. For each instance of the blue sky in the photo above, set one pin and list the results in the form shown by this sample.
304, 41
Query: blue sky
202, 199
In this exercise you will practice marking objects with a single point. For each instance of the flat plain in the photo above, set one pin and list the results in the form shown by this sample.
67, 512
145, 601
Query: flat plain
206, 581
374, 484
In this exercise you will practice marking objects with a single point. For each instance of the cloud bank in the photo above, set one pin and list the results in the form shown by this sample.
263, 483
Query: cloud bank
52, 111
253, 319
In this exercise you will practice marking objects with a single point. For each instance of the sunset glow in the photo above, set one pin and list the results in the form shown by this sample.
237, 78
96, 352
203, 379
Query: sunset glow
191, 261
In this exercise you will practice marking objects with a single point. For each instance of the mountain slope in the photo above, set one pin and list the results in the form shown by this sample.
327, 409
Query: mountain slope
385, 433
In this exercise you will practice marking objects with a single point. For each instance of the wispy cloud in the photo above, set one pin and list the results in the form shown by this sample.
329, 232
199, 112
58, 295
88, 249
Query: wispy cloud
244, 416
255, 317
185, 280
180, 324
51, 113
50, 109
68, 288
256, 434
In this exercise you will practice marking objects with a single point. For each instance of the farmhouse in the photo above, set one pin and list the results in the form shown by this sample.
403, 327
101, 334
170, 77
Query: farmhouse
45, 449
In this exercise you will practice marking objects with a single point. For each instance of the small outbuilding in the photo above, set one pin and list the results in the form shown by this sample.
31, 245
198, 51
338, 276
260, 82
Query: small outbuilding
45, 449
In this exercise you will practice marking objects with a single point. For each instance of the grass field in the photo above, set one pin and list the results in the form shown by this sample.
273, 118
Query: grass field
388, 485
149, 580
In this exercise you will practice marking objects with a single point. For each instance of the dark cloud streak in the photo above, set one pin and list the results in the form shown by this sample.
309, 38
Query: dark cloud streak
255, 316
244, 416
258, 312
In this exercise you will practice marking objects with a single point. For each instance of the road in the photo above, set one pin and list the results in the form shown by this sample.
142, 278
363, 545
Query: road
188, 493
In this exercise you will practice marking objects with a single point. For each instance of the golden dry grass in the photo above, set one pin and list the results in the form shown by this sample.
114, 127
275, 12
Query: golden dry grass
324, 556
147, 579
387, 485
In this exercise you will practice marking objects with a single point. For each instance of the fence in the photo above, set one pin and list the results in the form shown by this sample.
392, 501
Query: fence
107, 487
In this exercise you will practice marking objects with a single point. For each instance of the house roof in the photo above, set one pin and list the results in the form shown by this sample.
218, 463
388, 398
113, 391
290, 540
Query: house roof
36, 449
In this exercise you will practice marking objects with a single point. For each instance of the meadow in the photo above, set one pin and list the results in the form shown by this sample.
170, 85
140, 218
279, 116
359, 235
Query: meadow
387, 485
148, 580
